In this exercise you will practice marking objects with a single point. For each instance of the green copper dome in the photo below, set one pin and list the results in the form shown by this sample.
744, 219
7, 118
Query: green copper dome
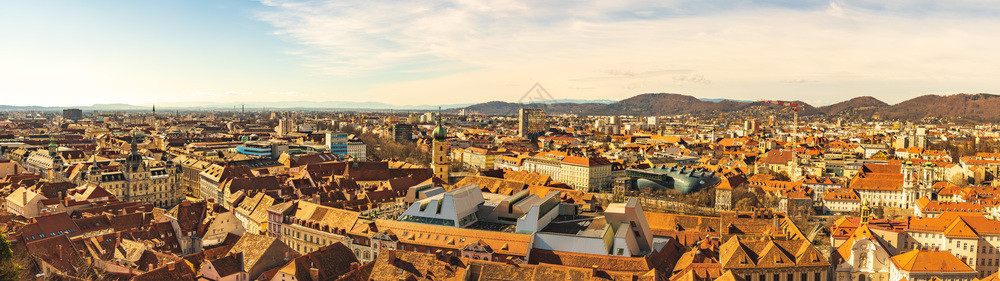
439, 133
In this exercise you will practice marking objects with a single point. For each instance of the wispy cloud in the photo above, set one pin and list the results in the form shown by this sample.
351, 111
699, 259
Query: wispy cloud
797, 81
691, 79
221, 94
621, 47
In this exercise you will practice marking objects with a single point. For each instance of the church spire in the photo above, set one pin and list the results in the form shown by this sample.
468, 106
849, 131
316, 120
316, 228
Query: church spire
132, 145
437, 116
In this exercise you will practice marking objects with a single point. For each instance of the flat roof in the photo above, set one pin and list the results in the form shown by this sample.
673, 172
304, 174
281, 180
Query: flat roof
577, 225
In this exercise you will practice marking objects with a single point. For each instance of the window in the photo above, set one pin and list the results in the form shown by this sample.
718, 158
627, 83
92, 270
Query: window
816, 276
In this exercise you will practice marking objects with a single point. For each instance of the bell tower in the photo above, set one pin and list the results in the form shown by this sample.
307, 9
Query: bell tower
866, 211
440, 163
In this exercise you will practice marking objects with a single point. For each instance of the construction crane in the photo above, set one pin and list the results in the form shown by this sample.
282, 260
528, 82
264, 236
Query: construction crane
794, 106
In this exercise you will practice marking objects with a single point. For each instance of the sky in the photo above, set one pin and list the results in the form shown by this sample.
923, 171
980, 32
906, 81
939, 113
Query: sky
72, 52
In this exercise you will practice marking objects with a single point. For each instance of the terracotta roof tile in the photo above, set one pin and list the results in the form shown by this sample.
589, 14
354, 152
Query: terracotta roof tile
930, 262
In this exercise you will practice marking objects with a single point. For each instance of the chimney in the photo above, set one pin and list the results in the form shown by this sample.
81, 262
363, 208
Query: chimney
392, 257
24, 198
314, 274
593, 270
355, 266
171, 266
59, 251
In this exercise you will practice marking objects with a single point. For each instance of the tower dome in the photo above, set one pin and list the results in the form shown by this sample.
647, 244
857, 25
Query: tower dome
133, 160
439, 133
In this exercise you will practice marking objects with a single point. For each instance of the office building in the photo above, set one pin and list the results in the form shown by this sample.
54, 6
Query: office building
531, 123
336, 143
72, 114
402, 132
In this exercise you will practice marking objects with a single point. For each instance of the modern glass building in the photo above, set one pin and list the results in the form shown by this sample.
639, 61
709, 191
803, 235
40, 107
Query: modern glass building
337, 143
255, 148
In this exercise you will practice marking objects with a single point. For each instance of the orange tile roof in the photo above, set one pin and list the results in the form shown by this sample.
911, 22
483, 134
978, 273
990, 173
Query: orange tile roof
840, 194
940, 207
736, 253
881, 168
665, 221
930, 262
601, 262
960, 229
885, 184
449, 237
586, 161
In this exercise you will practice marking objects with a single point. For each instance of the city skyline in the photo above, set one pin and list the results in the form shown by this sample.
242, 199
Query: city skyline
67, 53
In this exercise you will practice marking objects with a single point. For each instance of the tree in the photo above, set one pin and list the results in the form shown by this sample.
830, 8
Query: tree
959, 179
5, 251
745, 204
741, 193
9, 269
781, 176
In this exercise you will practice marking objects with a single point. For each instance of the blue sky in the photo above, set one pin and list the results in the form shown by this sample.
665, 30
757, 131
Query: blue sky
441, 52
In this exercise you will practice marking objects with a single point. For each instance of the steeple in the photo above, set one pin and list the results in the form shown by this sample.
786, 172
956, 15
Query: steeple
439, 132
866, 211
52, 145
133, 161
437, 116
440, 164
132, 146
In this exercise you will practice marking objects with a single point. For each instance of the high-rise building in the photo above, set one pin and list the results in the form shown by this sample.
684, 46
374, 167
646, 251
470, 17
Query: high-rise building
285, 126
402, 132
72, 114
921, 138
531, 123
337, 143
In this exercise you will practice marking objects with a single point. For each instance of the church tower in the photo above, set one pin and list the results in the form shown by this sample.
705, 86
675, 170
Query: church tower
135, 171
440, 162
866, 211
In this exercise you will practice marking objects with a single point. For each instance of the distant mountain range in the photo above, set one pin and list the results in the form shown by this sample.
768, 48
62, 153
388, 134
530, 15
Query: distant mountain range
971, 107
109, 106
